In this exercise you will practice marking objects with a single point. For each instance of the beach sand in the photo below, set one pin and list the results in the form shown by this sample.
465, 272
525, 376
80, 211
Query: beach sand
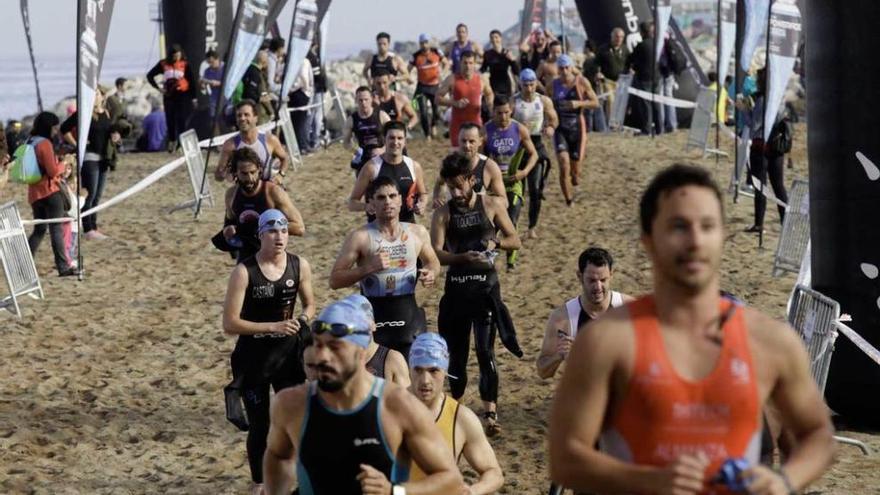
115, 384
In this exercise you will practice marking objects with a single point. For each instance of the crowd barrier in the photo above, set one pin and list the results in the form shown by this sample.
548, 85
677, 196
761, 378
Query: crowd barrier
795, 236
16, 259
195, 167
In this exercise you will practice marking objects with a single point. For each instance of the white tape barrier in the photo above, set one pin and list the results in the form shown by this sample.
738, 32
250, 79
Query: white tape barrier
663, 100
766, 192
860, 342
131, 191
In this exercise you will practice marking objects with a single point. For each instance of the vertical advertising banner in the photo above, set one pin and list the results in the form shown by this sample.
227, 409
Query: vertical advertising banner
93, 26
250, 30
302, 31
197, 26
785, 34
661, 23
727, 35
756, 20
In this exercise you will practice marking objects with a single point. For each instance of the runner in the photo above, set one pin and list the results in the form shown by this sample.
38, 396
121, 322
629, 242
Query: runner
461, 45
348, 432
429, 362
501, 65
260, 309
405, 171
384, 61
266, 146
535, 111
394, 104
595, 274
571, 95
381, 361
428, 62
365, 124
465, 89
464, 235
508, 143
487, 174
381, 257
673, 384
247, 200
548, 70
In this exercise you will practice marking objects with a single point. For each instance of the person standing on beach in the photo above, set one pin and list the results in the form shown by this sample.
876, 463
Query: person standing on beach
673, 385
178, 90
260, 308
266, 145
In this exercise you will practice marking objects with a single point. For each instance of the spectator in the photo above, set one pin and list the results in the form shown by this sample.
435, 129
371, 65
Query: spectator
116, 101
211, 80
642, 62
275, 65
45, 197
316, 115
612, 62
256, 88
178, 89
721, 110
671, 63
4, 157
595, 116
154, 130
300, 95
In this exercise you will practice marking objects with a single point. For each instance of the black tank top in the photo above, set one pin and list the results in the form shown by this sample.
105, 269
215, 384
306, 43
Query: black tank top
270, 300
247, 210
406, 186
368, 131
333, 445
376, 364
390, 107
382, 66
469, 229
479, 172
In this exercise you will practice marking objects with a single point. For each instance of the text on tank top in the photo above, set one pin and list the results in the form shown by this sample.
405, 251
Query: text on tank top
367, 130
504, 146
247, 209
472, 89
382, 66
569, 118
262, 150
445, 421
662, 415
404, 174
376, 363
333, 445
530, 114
577, 317
401, 277
427, 63
270, 300
469, 229
389, 106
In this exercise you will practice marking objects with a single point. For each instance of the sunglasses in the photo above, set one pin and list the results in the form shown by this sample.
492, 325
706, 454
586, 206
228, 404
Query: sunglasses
337, 330
420, 352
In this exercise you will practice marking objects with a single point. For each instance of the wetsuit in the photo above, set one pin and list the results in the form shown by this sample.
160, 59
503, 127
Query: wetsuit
261, 148
505, 147
465, 301
392, 292
570, 136
445, 422
531, 115
246, 212
266, 359
333, 444
368, 131
472, 89
499, 65
404, 174
376, 364
577, 317
427, 64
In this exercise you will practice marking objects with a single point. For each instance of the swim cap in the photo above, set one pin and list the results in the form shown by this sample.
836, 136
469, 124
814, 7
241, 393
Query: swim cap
564, 60
271, 219
429, 351
424, 37
345, 313
362, 303
528, 75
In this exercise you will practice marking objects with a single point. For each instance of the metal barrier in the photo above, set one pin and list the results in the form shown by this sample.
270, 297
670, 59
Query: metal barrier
286, 125
795, 234
816, 318
16, 260
195, 166
621, 100
701, 121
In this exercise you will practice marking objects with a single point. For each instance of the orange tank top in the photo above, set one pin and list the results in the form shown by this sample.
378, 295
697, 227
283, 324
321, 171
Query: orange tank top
472, 89
663, 415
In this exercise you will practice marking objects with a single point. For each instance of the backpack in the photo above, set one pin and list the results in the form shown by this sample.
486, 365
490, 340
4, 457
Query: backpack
25, 167
781, 137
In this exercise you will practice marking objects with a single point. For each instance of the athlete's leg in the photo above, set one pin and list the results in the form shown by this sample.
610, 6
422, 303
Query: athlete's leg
514, 207
533, 181
484, 341
256, 404
454, 325
90, 176
579, 146
422, 99
564, 175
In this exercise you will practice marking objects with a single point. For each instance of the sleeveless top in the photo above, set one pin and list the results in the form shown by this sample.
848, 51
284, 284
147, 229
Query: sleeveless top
468, 230
376, 364
663, 415
571, 118
382, 66
577, 317
529, 113
404, 174
456, 51
174, 75
247, 209
390, 107
333, 444
445, 421
368, 131
505, 147
400, 279
262, 150
427, 64
472, 89
479, 173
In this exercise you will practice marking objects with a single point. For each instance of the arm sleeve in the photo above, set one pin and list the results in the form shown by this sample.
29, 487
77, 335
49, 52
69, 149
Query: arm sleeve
151, 75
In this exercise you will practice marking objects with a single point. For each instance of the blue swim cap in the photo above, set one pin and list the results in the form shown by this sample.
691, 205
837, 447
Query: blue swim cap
271, 219
352, 315
424, 37
429, 351
564, 60
362, 303
528, 75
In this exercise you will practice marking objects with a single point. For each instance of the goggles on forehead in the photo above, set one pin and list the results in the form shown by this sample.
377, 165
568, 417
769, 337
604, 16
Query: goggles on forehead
336, 329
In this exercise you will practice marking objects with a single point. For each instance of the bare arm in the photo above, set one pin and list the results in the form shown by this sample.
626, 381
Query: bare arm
347, 133
510, 239
412, 118
345, 272
403, 74
427, 254
383, 117
526, 142
496, 181
221, 173
279, 152
443, 97
551, 358
295, 224
306, 294
421, 188
551, 119
355, 200
488, 93
396, 369
590, 100
279, 460
366, 71
439, 193
479, 454
233, 324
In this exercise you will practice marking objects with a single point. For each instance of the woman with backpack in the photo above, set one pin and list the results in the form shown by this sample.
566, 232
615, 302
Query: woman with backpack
45, 197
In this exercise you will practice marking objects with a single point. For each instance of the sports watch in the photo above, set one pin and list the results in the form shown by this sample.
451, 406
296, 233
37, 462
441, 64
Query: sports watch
398, 490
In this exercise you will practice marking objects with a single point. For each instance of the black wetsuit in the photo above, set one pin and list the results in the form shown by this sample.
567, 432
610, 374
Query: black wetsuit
333, 444
368, 132
499, 65
246, 212
570, 133
266, 359
376, 364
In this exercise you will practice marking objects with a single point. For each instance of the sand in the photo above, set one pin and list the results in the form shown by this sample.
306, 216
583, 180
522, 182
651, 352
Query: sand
114, 384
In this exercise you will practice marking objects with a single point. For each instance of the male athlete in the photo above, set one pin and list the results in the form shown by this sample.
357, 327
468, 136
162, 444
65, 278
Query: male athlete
571, 94
461, 429
365, 124
487, 174
535, 111
266, 145
260, 310
393, 103
460, 45
385, 61
381, 361
463, 90
464, 235
250, 197
548, 69
429, 62
406, 173
381, 257
349, 432
501, 65
673, 384
595, 274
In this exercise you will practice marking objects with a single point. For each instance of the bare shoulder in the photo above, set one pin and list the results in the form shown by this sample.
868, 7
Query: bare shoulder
612, 333
768, 333
559, 314
290, 404
469, 422
400, 402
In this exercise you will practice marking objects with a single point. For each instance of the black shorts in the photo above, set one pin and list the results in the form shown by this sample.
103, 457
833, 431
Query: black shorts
569, 139
538, 142
398, 320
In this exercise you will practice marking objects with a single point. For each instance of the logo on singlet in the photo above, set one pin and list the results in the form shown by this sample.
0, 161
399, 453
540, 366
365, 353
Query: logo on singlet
739, 369
380, 324
390, 283
461, 279
263, 291
358, 442
289, 282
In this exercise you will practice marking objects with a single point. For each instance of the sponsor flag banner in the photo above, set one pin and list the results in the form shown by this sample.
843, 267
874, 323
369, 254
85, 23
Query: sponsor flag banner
250, 30
198, 27
93, 25
661, 23
727, 33
756, 19
534, 16
785, 34
302, 30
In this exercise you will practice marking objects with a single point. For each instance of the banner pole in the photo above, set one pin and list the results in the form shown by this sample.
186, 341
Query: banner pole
78, 170
718, 85
764, 112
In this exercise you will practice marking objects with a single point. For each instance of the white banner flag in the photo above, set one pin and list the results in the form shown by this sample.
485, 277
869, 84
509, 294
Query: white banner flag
785, 34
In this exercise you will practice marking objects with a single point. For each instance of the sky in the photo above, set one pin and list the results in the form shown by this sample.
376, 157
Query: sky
353, 24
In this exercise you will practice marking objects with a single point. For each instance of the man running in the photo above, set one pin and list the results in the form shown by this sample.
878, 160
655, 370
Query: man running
365, 124
381, 257
266, 145
508, 143
428, 62
571, 95
461, 45
487, 175
501, 65
464, 235
535, 111
595, 274
465, 90
348, 432
248, 199
673, 384
394, 104
385, 61
406, 172
461, 429
548, 69
260, 309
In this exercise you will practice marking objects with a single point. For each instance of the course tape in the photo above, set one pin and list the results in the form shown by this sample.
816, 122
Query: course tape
860, 342
664, 100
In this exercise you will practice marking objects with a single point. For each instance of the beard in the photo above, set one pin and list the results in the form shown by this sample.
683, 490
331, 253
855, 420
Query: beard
249, 187
328, 384
463, 201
